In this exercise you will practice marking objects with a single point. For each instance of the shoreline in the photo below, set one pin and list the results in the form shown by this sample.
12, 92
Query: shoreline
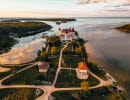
95, 72
31, 33
107, 75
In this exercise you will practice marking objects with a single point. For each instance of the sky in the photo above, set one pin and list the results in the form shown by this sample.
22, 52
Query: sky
64, 8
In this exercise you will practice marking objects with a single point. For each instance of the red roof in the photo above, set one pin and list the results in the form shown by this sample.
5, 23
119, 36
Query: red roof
68, 30
82, 66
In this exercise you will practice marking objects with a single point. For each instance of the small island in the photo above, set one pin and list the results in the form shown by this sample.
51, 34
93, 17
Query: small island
125, 28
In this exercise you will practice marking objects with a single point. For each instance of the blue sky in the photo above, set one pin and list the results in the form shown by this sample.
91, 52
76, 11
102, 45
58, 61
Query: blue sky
64, 8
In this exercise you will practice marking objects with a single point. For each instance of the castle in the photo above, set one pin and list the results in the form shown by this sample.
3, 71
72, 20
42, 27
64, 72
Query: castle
68, 34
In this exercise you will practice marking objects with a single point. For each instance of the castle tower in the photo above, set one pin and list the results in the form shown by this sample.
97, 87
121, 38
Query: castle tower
59, 31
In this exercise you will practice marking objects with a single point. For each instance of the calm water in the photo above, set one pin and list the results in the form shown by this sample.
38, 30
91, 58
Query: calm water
108, 47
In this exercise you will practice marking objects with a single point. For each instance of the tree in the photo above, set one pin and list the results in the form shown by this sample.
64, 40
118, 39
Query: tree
53, 50
81, 41
43, 54
84, 86
78, 51
39, 52
74, 43
54, 41
57, 43
43, 49
75, 95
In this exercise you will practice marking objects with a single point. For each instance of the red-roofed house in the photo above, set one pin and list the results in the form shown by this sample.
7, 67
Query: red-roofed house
82, 67
67, 34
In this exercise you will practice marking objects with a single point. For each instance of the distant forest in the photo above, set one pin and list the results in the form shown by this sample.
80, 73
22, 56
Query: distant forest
50, 19
22, 29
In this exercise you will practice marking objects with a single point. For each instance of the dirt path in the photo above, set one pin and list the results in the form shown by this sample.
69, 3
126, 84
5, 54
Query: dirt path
49, 89
17, 72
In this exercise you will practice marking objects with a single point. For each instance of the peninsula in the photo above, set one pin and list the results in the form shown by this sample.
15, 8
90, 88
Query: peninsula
39, 19
61, 71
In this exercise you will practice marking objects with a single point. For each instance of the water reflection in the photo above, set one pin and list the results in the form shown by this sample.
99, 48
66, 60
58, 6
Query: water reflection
22, 53
4, 69
110, 48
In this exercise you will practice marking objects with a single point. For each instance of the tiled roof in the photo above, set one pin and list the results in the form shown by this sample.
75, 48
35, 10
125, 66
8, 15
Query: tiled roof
82, 66
68, 30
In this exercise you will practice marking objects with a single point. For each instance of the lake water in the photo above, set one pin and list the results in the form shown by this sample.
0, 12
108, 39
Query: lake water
108, 47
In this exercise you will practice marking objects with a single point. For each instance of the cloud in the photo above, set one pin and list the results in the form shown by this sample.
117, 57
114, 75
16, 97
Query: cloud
117, 10
119, 5
103, 1
90, 1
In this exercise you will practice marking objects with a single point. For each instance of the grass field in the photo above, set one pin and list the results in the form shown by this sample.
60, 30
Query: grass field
95, 94
71, 61
68, 78
30, 75
17, 68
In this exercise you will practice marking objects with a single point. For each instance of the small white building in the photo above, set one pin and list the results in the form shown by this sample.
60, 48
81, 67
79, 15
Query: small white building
43, 67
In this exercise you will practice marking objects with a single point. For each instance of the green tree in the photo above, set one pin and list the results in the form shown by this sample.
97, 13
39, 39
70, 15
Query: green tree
78, 51
43, 49
43, 54
81, 41
39, 52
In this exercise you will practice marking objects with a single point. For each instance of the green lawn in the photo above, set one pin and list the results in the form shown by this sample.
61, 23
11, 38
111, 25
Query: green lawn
69, 49
68, 78
4, 74
71, 61
94, 68
95, 94
19, 94
30, 75
17, 68
69, 57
